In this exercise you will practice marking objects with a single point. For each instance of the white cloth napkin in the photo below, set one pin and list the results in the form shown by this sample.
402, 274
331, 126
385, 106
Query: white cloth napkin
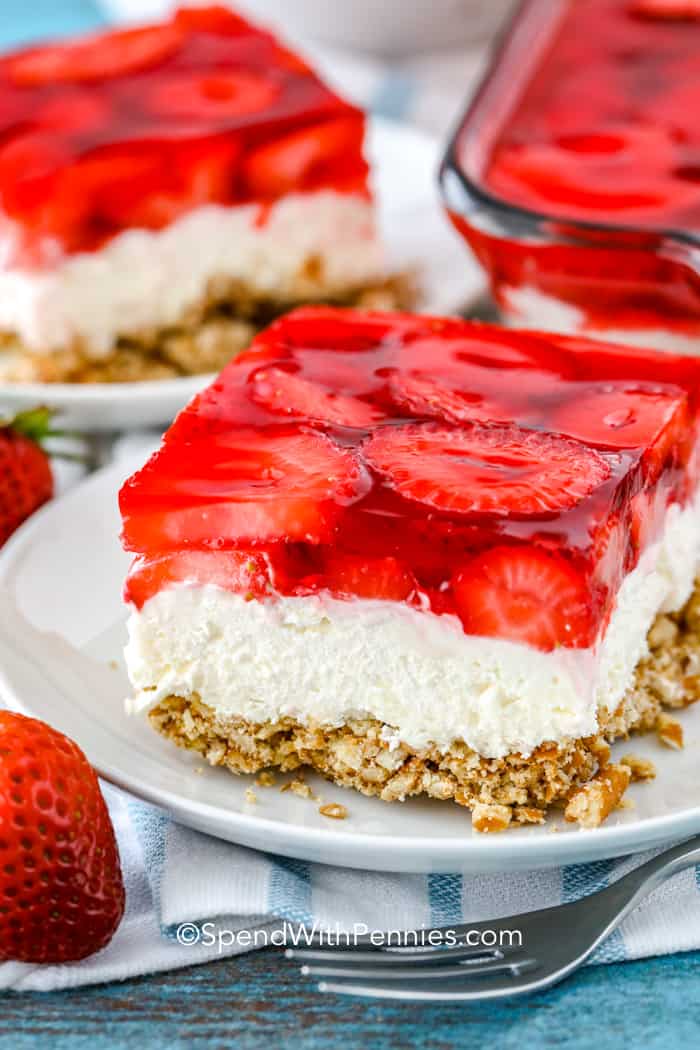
192, 899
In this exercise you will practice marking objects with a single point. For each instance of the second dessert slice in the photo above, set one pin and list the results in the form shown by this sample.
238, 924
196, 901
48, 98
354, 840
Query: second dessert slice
166, 190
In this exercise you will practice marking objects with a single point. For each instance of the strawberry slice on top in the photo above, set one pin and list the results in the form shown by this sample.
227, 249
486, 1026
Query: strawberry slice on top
497, 470
96, 58
288, 394
215, 96
243, 486
619, 418
420, 396
303, 159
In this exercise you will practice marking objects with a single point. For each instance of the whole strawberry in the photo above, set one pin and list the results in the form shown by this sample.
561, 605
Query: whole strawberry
61, 889
26, 481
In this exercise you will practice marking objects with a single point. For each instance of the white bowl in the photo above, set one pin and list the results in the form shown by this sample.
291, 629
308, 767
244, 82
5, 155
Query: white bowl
390, 28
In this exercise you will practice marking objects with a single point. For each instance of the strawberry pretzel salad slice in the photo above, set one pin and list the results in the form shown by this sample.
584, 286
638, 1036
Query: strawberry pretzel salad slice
168, 189
423, 556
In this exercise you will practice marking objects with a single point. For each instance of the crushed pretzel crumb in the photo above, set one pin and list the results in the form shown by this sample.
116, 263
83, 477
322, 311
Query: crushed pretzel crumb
691, 690
334, 810
250, 796
601, 750
640, 768
113, 665
299, 788
669, 732
266, 779
592, 803
529, 815
488, 817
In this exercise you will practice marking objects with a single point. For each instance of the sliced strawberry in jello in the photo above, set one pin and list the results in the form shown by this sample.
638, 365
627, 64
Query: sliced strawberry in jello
219, 95
29, 166
382, 578
242, 572
619, 417
449, 348
96, 58
73, 111
153, 186
302, 158
604, 172
246, 486
285, 393
497, 470
31, 172
524, 594
420, 396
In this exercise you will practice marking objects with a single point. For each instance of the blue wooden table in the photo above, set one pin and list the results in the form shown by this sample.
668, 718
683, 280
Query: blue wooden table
258, 1001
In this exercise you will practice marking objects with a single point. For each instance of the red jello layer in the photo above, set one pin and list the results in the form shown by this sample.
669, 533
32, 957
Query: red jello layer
509, 478
606, 130
134, 128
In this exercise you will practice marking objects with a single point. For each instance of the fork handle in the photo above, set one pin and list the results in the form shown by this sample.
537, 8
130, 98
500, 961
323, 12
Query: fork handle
632, 888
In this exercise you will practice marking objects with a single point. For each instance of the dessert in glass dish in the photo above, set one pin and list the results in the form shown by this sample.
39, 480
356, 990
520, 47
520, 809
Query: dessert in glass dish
423, 556
575, 175
165, 191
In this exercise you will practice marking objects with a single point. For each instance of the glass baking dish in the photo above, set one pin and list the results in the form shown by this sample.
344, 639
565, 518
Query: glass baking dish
575, 173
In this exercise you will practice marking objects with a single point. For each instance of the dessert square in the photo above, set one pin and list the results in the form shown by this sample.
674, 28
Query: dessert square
421, 555
165, 191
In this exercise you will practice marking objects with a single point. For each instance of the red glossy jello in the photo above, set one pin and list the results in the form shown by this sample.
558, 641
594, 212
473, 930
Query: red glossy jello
511, 479
579, 166
607, 128
134, 128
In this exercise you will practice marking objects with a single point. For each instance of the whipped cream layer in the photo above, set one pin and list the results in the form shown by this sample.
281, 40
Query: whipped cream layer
328, 660
529, 308
143, 280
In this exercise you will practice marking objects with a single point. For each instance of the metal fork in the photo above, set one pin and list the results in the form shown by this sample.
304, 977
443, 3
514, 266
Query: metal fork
553, 943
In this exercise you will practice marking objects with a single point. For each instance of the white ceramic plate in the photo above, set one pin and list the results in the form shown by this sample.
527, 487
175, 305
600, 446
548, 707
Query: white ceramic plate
61, 634
415, 230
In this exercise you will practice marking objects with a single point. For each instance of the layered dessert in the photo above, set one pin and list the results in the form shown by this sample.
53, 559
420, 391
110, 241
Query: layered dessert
165, 191
576, 177
422, 555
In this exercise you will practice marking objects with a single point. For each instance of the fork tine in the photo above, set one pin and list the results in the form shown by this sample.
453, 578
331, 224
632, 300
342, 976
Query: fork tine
422, 973
495, 986
425, 957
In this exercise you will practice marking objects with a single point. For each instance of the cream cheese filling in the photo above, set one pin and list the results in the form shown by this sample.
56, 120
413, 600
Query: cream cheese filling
143, 280
328, 660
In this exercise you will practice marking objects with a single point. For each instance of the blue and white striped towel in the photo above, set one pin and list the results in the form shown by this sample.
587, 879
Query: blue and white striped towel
181, 879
